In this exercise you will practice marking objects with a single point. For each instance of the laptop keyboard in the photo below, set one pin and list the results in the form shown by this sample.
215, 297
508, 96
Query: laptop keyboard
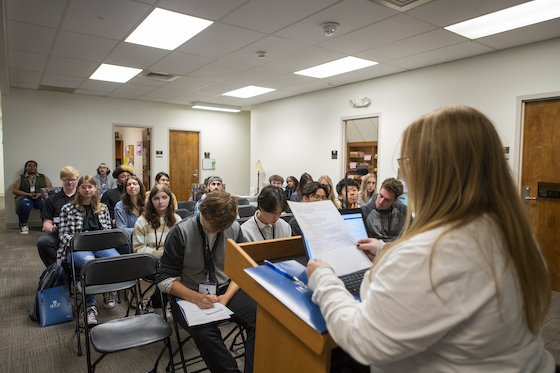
353, 281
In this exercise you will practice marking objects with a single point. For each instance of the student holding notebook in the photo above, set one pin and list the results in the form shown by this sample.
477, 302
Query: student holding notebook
464, 288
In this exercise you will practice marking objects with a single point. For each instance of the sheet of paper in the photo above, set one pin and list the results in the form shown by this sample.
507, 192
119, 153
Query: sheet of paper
329, 237
367, 157
353, 164
197, 316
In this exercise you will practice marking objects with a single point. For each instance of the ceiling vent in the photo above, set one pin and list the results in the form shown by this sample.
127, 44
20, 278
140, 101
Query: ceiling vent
159, 76
401, 5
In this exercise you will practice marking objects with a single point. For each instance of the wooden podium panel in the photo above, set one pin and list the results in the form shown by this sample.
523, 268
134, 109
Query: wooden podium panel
284, 342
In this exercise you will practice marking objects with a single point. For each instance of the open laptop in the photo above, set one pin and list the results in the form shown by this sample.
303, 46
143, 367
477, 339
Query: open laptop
355, 221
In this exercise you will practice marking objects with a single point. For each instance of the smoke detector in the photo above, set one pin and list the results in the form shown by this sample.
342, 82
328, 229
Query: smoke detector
261, 54
329, 28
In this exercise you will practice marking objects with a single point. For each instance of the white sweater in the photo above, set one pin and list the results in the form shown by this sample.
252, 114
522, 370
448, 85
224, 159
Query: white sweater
146, 240
402, 325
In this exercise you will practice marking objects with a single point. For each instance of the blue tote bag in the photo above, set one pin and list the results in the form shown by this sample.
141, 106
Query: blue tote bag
54, 305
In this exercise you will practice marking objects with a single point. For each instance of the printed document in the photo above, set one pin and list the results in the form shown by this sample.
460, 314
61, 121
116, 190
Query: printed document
197, 316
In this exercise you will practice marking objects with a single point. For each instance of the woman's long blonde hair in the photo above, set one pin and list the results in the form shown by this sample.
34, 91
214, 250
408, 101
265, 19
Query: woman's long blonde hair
332, 193
454, 166
96, 206
363, 187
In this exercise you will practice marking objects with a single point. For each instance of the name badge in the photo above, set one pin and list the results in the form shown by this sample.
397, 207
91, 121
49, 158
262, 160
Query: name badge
32, 189
207, 288
56, 220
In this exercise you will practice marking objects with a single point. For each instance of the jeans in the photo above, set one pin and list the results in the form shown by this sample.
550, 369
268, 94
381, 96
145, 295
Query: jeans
82, 257
47, 245
24, 207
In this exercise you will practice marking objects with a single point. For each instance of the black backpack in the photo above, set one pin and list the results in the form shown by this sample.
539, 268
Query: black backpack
53, 276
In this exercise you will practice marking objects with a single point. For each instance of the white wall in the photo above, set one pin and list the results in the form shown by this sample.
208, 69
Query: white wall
59, 129
296, 135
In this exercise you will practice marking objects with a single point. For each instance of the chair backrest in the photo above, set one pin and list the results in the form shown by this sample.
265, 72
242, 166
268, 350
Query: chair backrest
99, 240
183, 213
187, 205
242, 220
287, 216
242, 201
46, 192
246, 211
117, 269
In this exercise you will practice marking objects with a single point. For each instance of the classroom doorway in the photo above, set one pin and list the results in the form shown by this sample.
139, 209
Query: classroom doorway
360, 144
184, 162
540, 176
133, 148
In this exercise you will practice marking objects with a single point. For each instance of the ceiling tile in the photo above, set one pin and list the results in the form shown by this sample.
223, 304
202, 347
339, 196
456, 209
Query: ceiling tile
188, 98
350, 15
125, 96
164, 93
61, 81
271, 15
151, 98
147, 81
254, 75
71, 66
383, 32
98, 85
134, 89
304, 58
315, 85
208, 9
442, 55
179, 63
112, 19
27, 60
134, 55
274, 47
187, 83
286, 80
85, 47
367, 73
525, 35
24, 85
220, 39
410, 46
220, 69
30, 38
24, 76
39, 12
88, 92
220, 87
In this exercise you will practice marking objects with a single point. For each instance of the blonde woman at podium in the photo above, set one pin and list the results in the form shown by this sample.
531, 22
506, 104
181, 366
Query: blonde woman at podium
465, 287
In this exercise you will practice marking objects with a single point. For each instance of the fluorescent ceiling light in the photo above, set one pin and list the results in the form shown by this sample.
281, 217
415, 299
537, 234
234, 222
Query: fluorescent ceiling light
508, 19
340, 66
203, 106
167, 30
114, 73
248, 91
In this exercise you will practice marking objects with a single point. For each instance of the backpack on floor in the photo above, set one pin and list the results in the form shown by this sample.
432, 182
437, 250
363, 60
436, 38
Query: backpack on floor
53, 276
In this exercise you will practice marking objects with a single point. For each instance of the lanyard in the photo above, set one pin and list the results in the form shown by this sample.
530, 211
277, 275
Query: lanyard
208, 254
161, 237
260, 230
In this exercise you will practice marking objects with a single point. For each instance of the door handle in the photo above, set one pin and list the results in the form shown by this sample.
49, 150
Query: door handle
527, 193
195, 173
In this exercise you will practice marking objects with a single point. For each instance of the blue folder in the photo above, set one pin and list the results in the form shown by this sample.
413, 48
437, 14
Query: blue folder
296, 297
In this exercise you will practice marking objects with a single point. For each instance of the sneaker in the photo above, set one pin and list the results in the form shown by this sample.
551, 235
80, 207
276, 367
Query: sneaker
23, 229
168, 314
109, 299
92, 315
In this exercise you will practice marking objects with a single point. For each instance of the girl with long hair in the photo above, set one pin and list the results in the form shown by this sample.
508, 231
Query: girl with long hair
367, 188
326, 181
303, 181
465, 287
291, 186
85, 213
131, 206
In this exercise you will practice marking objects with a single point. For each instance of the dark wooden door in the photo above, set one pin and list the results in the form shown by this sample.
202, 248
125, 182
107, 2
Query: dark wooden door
146, 151
183, 162
541, 163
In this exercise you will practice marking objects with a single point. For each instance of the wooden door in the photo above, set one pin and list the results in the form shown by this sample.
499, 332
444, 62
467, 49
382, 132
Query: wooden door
541, 163
183, 162
146, 151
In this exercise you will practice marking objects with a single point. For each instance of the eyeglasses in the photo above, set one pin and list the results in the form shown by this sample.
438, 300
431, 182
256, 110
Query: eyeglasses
317, 197
69, 180
402, 161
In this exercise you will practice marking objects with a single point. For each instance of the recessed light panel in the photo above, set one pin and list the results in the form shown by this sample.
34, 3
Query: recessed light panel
340, 66
508, 19
114, 73
248, 91
167, 30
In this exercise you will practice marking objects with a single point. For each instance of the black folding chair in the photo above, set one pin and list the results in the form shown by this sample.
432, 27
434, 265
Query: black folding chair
126, 332
246, 211
94, 241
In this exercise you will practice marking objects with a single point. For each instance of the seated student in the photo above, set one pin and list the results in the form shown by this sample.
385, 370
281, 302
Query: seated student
85, 213
291, 186
465, 288
130, 207
194, 255
266, 223
326, 181
384, 215
352, 199
163, 178
27, 189
367, 189
48, 244
112, 196
303, 181
212, 183
104, 179
152, 228
276, 180
313, 192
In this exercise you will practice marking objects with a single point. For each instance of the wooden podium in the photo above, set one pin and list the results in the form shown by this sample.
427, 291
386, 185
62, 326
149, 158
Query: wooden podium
284, 342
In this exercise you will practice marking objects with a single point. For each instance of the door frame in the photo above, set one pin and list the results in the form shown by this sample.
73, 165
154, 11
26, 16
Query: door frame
152, 151
342, 160
519, 127
200, 151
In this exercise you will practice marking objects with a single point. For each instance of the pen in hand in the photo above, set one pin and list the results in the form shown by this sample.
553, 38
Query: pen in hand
284, 273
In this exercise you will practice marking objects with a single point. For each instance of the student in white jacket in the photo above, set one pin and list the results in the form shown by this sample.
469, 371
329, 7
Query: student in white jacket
465, 288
